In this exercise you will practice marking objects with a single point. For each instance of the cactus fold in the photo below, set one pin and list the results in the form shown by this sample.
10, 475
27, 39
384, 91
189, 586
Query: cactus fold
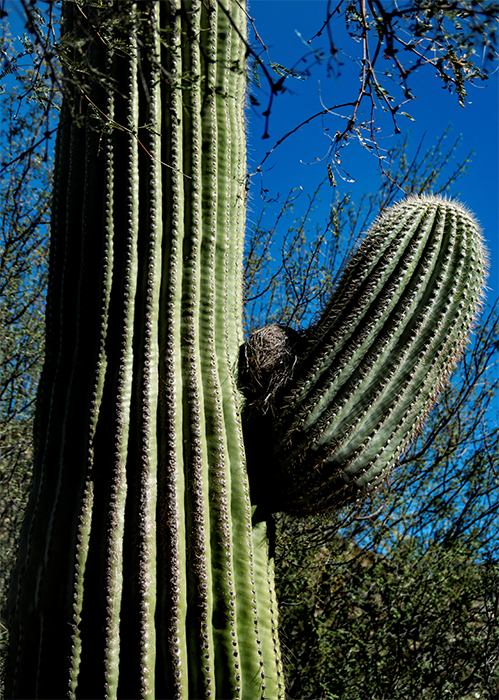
143, 569
367, 373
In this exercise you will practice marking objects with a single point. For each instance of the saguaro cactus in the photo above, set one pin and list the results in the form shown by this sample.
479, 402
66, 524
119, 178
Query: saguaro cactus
144, 568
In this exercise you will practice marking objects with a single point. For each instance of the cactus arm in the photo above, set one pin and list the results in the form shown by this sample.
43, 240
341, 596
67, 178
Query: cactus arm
369, 370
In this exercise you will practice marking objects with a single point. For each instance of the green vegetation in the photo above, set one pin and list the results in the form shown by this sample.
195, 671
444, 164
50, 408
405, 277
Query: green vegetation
403, 591
25, 195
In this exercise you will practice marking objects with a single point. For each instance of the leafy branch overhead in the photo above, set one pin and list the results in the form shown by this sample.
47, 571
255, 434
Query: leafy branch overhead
457, 41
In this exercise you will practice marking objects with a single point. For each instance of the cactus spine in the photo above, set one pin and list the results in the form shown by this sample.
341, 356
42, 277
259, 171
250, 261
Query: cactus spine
143, 569
367, 373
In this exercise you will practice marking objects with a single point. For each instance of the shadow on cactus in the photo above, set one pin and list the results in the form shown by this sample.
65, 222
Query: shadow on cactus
354, 390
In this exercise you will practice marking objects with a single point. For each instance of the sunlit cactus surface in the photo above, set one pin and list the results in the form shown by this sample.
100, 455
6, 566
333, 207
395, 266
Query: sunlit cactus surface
143, 569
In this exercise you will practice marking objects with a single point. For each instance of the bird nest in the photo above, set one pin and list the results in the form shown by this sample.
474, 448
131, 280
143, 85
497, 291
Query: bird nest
266, 363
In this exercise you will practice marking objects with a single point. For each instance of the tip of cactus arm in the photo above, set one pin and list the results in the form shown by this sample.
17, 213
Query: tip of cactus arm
430, 198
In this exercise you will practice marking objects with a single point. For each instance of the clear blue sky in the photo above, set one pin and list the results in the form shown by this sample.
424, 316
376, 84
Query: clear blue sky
280, 24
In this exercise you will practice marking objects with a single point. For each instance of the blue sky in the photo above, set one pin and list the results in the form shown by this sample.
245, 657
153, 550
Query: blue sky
278, 22
284, 26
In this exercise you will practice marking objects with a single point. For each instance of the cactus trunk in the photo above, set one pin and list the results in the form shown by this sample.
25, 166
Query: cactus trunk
144, 569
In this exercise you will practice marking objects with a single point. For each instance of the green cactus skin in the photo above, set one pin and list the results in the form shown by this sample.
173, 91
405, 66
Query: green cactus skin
144, 569
368, 372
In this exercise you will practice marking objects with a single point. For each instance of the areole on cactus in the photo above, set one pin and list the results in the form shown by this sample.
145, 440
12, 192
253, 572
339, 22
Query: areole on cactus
144, 568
